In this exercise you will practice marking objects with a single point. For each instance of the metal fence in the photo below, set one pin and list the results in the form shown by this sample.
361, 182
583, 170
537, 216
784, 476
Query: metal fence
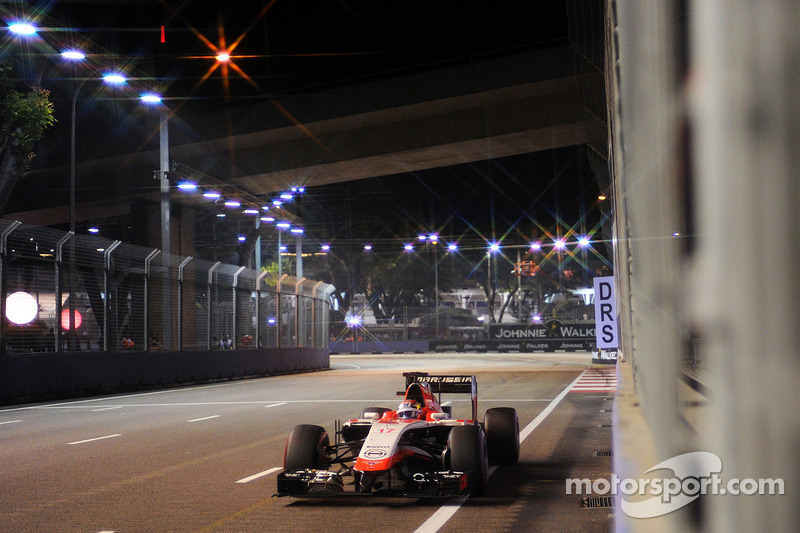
63, 292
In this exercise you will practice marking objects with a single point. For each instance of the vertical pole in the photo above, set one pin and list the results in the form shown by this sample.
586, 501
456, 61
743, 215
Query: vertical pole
519, 289
280, 256
299, 254
258, 246
166, 245
4, 281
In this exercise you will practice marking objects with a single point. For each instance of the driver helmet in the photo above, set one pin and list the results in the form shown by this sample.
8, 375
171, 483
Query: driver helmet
409, 409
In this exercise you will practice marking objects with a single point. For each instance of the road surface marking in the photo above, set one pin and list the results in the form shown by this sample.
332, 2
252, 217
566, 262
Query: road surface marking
11, 422
446, 511
260, 474
204, 418
274, 405
107, 408
597, 380
95, 439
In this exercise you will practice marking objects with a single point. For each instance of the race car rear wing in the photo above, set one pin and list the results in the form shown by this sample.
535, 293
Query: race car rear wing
455, 384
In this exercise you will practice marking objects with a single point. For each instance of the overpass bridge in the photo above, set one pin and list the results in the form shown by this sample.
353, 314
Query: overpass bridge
522, 102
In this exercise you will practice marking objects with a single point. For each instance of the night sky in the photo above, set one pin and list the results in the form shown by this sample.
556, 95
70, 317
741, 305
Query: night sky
294, 47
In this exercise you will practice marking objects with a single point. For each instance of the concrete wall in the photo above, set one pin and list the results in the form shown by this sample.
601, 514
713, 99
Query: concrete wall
50, 375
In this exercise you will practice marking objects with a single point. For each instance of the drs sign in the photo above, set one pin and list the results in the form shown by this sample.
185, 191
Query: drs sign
605, 313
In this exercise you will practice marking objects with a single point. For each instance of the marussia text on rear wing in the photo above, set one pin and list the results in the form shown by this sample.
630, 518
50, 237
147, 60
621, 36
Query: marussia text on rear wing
450, 384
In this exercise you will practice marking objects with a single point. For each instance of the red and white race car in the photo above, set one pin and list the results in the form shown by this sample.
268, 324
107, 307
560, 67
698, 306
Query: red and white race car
417, 450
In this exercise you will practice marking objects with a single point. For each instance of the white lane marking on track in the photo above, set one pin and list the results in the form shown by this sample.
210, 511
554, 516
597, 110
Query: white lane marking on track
204, 418
10, 422
446, 511
107, 408
274, 405
95, 439
335, 365
260, 474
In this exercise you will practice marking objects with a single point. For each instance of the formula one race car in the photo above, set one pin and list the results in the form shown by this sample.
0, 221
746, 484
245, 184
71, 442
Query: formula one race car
416, 451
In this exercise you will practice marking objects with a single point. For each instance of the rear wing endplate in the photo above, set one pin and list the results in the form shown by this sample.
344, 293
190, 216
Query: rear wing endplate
454, 384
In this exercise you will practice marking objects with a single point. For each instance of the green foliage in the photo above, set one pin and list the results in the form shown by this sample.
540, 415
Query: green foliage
24, 116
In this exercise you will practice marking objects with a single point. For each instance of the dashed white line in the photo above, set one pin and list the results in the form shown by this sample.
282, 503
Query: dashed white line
10, 422
107, 408
274, 405
260, 474
95, 439
204, 418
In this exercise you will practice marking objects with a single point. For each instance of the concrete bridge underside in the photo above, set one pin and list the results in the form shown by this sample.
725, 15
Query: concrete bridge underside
503, 106
526, 118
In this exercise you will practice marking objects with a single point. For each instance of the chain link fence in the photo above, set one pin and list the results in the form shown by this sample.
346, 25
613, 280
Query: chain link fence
63, 292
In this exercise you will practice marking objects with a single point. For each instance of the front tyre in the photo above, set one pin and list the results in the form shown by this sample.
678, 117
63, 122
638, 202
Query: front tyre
502, 435
467, 450
306, 448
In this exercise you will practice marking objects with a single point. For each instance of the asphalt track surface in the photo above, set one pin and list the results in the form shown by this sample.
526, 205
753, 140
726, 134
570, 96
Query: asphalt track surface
205, 458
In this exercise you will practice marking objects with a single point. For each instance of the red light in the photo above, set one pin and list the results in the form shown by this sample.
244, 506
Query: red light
65, 319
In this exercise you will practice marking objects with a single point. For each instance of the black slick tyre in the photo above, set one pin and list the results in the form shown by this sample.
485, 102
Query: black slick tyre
467, 450
306, 448
501, 425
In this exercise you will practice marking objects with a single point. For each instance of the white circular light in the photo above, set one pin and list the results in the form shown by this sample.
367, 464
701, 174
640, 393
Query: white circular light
21, 308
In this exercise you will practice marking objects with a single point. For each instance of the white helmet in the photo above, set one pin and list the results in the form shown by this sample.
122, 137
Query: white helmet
409, 409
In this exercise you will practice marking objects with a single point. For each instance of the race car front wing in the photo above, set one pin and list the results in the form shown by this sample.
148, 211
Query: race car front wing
323, 483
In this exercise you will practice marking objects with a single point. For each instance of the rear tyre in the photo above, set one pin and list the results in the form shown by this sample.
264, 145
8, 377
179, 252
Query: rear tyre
306, 448
467, 450
502, 435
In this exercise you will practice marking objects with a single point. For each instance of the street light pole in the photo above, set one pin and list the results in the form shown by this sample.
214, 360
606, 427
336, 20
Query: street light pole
166, 229
72, 277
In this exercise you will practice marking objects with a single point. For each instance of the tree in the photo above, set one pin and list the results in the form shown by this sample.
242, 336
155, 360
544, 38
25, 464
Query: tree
24, 117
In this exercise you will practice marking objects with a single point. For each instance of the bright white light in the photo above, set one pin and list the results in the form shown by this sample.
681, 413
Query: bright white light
73, 55
286, 196
114, 77
233, 203
583, 241
422, 237
211, 195
271, 321
494, 247
268, 219
220, 215
452, 247
187, 186
222, 57
354, 321
251, 211
536, 246
21, 308
326, 247
276, 202
22, 28
560, 244
242, 238
297, 230
283, 248
94, 230
408, 248
150, 98
368, 247
283, 225
265, 207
